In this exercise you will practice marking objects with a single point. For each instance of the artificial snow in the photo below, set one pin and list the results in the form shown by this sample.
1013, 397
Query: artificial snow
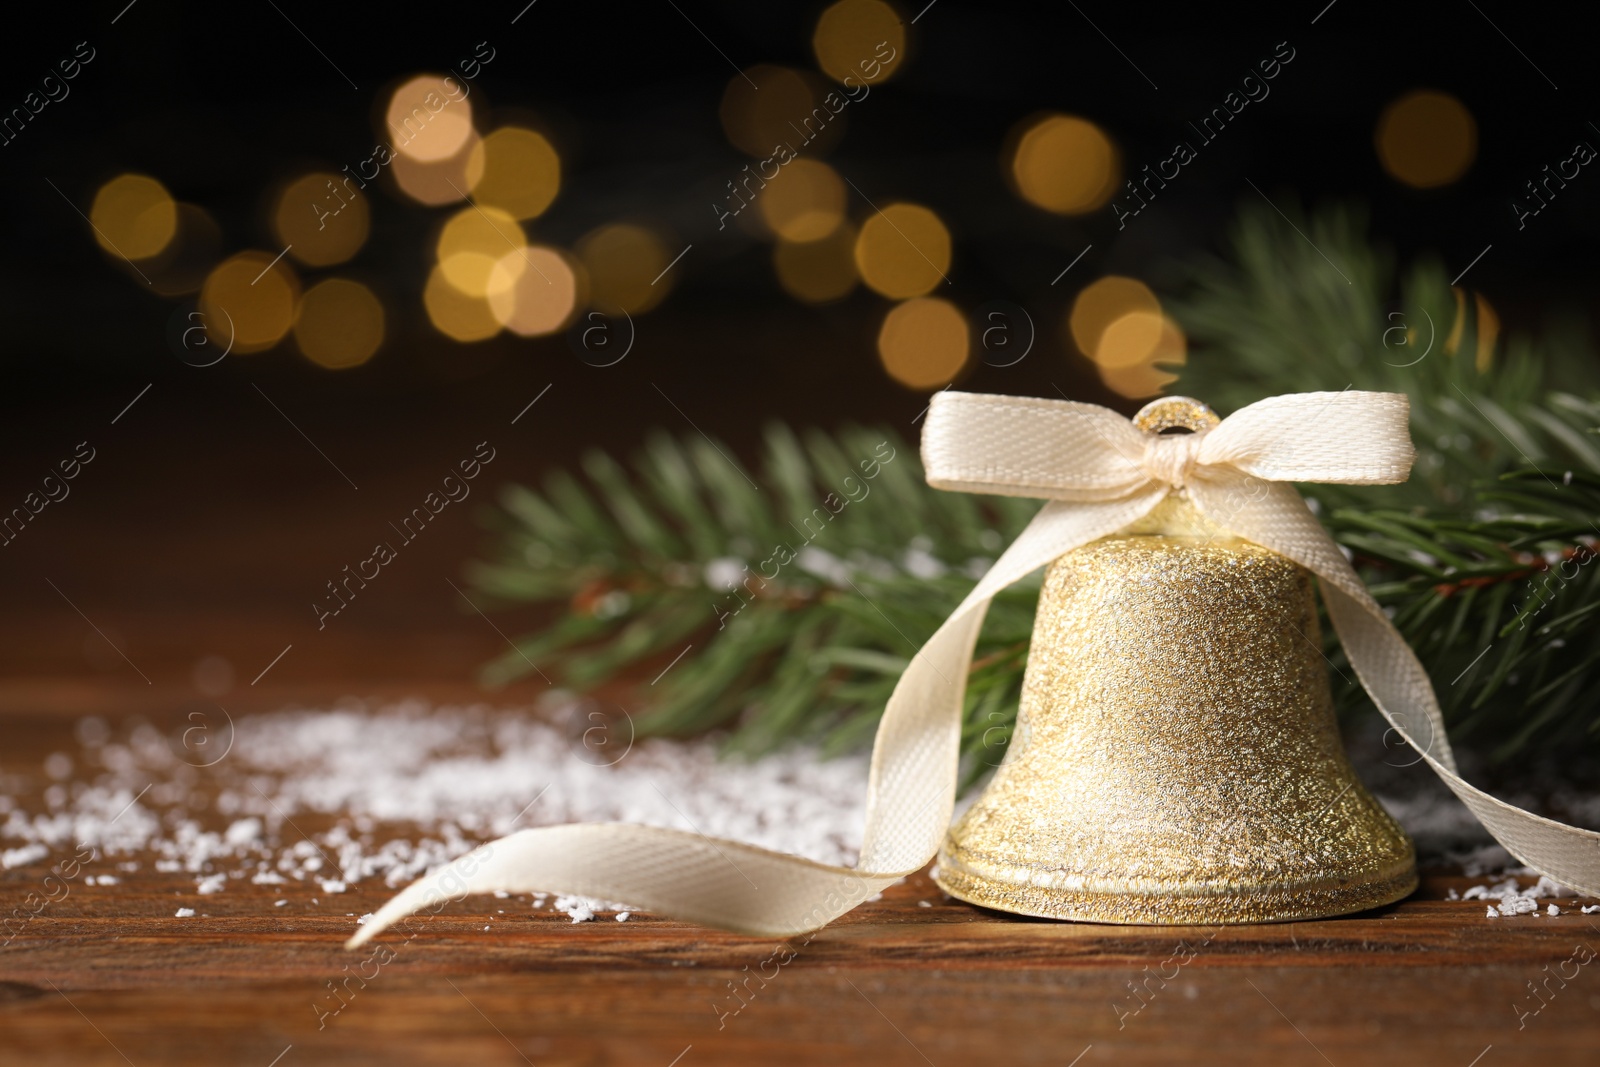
21, 857
1514, 900
389, 793
577, 908
184, 913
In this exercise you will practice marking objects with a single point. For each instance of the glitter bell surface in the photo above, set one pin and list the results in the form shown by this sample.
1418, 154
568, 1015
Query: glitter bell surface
1176, 757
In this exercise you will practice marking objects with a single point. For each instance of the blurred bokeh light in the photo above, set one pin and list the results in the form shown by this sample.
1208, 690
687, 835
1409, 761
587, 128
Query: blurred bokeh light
863, 40
767, 106
625, 264
903, 251
1137, 383
445, 182
133, 216
1118, 323
471, 244
428, 120
340, 324
1452, 341
805, 202
1129, 339
1066, 164
520, 172
1486, 328
818, 271
924, 343
1488, 333
1141, 377
323, 218
248, 302
535, 291
1426, 139
456, 314
1103, 302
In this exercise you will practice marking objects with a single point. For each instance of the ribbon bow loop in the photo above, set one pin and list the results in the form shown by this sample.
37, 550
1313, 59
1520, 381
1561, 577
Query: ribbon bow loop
1350, 437
1063, 450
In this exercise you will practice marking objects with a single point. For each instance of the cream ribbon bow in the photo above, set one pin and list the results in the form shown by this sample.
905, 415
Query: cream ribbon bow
1099, 473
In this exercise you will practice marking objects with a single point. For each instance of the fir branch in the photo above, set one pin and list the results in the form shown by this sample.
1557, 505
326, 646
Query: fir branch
1484, 558
804, 599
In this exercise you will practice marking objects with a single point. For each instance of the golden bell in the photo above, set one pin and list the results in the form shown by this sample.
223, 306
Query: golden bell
1176, 757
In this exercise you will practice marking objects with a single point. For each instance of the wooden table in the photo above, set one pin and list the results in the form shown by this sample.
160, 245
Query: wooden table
108, 975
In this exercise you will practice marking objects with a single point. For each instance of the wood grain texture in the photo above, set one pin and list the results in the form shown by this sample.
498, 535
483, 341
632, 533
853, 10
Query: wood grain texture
109, 975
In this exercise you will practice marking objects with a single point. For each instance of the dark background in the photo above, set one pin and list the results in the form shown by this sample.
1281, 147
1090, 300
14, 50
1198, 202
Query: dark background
207, 524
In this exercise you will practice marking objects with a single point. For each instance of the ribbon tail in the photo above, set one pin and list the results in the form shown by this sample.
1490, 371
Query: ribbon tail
690, 876
1273, 515
911, 792
1395, 680
740, 887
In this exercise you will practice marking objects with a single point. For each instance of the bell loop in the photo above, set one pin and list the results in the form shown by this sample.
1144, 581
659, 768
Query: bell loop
1175, 413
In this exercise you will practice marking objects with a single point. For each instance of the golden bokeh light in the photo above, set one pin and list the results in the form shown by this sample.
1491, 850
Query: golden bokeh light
472, 244
1129, 340
323, 218
1453, 340
767, 106
1426, 139
429, 118
903, 251
183, 265
445, 182
248, 302
455, 314
625, 264
535, 291
863, 40
340, 324
520, 172
133, 216
818, 271
1138, 382
1102, 303
924, 343
805, 202
1488, 332
1486, 328
1066, 164
1144, 377
474, 273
